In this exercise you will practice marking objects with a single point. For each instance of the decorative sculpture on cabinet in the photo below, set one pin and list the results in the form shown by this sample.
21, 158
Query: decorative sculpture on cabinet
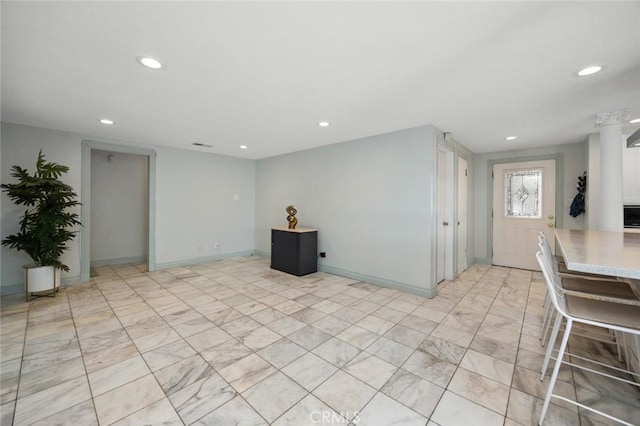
292, 217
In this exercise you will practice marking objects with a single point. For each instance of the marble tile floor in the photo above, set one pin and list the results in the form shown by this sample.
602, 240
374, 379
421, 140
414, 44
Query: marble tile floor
233, 342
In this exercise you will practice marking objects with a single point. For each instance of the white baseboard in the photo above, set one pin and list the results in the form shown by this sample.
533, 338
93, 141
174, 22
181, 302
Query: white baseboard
369, 279
118, 261
184, 262
424, 292
6, 290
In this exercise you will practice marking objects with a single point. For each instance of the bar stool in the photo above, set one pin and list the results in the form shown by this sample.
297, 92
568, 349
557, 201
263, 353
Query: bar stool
576, 308
615, 291
597, 285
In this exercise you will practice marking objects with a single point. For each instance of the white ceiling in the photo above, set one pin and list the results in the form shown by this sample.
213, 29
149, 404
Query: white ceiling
264, 74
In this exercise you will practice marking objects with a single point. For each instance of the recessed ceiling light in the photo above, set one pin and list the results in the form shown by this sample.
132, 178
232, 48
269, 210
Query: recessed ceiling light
589, 70
323, 124
149, 62
634, 121
107, 121
243, 147
511, 138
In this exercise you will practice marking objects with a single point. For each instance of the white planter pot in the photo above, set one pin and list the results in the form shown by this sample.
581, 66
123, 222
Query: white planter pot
41, 278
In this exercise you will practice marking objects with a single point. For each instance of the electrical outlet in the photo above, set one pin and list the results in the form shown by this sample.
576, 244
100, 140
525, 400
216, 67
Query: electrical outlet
323, 254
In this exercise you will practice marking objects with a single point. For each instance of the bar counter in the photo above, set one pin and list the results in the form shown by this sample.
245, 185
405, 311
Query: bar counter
598, 252
609, 253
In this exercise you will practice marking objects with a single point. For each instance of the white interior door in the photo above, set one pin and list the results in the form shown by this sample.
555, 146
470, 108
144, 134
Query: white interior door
445, 268
524, 197
462, 214
442, 214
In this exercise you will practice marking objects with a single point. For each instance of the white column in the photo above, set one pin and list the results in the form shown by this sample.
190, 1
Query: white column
611, 207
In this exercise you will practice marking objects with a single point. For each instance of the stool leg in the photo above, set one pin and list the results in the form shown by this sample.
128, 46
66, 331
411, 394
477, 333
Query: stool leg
546, 329
545, 318
552, 343
556, 369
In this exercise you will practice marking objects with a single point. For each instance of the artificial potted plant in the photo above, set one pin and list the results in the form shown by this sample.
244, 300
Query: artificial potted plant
44, 228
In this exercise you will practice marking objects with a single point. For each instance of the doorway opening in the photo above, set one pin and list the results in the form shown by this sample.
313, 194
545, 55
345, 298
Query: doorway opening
119, 197
118, 206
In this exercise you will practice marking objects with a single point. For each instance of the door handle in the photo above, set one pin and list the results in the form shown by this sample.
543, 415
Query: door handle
445, 223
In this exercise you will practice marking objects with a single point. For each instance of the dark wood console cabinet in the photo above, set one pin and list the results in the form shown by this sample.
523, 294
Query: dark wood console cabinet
294, 251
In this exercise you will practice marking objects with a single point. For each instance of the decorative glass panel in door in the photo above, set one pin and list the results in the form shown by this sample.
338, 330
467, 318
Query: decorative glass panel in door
522, 193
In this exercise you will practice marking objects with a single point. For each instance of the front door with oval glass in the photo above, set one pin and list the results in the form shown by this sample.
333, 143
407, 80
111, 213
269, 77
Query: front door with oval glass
524, 205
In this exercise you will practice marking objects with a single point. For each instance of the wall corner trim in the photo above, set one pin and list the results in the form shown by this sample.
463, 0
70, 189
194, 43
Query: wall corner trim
424, 292
117, 261
6, 290
205, 259
368, 278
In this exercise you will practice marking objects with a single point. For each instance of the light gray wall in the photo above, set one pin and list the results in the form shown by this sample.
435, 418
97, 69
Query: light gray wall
194, 199
574, 163
196, 207
20, 146
371, 200
119, 207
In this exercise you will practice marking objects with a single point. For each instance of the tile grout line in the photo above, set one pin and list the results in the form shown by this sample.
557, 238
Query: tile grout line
75, 329
137, 349
24, 345
467, 348
515, 362
235, 277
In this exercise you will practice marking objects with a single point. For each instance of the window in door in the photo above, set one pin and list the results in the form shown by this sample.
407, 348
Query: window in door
522, 193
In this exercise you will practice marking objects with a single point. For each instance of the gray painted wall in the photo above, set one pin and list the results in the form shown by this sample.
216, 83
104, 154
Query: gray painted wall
195, 206
119, 211
371, 200
573, 165
20, 146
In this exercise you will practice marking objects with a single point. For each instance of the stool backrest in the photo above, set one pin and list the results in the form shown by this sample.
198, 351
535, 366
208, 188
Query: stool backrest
546, 251
553, 282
